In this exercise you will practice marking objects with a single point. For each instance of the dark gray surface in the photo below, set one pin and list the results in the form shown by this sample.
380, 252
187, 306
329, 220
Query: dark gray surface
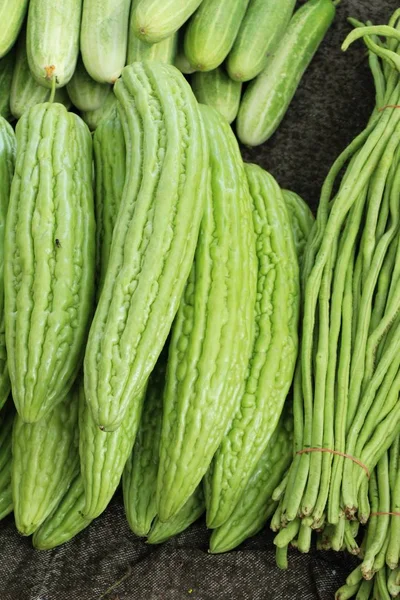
331, 106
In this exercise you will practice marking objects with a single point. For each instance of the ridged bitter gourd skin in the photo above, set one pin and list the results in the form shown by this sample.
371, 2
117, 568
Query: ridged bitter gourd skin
25, 90
189, 513
86, 93
6, 75
12, 14
7, 164
302, 220
7, 415
155, 20
255, 505
45, 462
140, 474
213, 331
52, 40
215, 88
274, 351
154, 238
49, 257
104, 454
66, 520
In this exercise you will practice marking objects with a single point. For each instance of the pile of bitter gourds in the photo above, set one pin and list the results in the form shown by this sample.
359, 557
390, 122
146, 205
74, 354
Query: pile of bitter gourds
83, 45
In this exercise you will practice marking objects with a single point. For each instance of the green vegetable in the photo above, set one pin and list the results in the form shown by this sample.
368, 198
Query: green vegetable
86, 93
216, 89
66, 520
104, 38
261, 30
212, 31
188, 514
140, 475
182, 63
25, 90
12, 14
154, 238
93, 118
267, 98
6, 75
213, 331
7, 164
52, 40
274, 350
155, 20
139, 50
49, 257
45, 462
7, 414
302, 221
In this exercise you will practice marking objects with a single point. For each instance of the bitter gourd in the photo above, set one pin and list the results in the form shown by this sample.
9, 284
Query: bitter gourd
86, 93
25, 90
66, 520
302, 220
7, 414
213, 332
12, 14
6, 74
7, 163
274, 352
93, 118
155, 20
49, 257
45, 462
154, 238
215, 88
255, 505
140, 474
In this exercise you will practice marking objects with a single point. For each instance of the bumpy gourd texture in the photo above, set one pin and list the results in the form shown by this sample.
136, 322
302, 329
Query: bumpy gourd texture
7, 163
6, 426
45, 462
155, 20
154, 238
49, 252
274, 351
213, 331
302, 221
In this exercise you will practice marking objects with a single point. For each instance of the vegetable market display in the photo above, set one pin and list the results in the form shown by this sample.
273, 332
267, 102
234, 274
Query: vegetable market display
170, 318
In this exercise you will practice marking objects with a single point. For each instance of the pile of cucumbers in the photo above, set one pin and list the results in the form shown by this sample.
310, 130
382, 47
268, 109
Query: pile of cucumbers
244, 58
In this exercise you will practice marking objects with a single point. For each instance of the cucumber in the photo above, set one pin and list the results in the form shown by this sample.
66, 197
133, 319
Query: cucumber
12, 14
155, 20
7, 164
182, 63
104, 38
260, 32
274, 352
267, 98
52, 40
49, 257
189, 513
6, 75
86, 93
139, 50
7, 415
213, 331
212, 31
45, 462
302, 221
255, 505
154, 238
93, 118
25, 90
140, 474
66, 520
215, 88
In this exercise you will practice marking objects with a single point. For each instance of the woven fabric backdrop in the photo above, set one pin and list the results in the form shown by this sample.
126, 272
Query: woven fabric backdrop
331, 106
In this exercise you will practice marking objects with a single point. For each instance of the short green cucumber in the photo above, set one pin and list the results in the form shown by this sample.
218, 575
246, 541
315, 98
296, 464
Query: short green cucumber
213, 332
7, 164
267, 98
104, 454
140, 474
212, 31
255, 505
302, 220
109, 163
45, 462
93, 118
6, 75
154, 238
25, 90
86, 93
104, 38
181, 62
66, 520
12, 14
260, 32
52, 40
189, 513
138, 50
7, 415
49, 257
155, 20
215, 88
274, 352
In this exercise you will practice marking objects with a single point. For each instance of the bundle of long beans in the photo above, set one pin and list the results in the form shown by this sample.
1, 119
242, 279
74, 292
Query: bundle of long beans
347, 383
